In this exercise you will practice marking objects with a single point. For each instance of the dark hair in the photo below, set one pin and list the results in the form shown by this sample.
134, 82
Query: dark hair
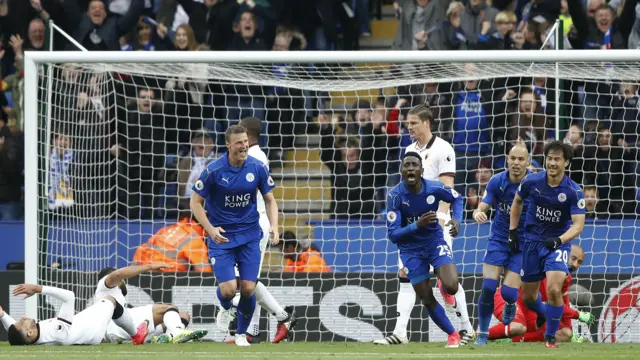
233, 130
412, 154
106, 271
567, 150
423, 112
15, 337
253, 126
289, 238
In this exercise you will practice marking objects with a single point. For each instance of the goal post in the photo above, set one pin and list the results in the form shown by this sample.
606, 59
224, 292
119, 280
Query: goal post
98, 230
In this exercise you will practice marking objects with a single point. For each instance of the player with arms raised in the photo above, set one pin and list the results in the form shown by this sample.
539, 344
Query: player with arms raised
228, 189
412, 225
554, 217
501, 253
438, 163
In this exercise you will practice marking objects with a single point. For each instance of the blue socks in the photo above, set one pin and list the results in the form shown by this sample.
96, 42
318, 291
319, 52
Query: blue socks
439, 317
485, 304
246, 307
538, 306
225, 303
509, 294
554, 315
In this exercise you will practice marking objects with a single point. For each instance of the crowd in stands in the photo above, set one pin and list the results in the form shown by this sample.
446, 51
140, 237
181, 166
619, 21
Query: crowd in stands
169, 127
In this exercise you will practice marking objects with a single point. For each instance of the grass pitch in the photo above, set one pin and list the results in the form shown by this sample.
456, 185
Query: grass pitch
333, 351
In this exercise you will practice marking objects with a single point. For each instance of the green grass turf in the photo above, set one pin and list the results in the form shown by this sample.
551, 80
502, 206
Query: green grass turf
333, 351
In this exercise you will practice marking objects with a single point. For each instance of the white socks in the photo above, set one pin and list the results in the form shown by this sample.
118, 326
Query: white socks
461, 308
173, 323
405, 303
266, 300
254, 325
126, 322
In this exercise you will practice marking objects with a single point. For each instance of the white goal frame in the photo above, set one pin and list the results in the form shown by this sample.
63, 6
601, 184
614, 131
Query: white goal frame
33, 59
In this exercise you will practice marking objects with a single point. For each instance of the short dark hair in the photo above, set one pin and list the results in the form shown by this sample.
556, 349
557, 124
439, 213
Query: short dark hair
106, 271
567, 150
412, 154
233, 130
253, 126
422, 111
15, 337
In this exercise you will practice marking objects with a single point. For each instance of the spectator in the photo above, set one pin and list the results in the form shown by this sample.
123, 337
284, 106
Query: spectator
35, 35
594, 208
10, 171
301, 259
505, 38
625, 117
475, 191
373, 141
526, 122
15, 82
416, 18
574, 137
60, 186
190, 167
449, 35
247, 37
567, 22
631, 16
475, 17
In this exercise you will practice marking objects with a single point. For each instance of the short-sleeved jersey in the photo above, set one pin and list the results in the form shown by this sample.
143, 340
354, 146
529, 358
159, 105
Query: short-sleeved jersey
438, 158
230, 193
499, 194
405, 208
257, 153
54, 332
550, 208
102, 290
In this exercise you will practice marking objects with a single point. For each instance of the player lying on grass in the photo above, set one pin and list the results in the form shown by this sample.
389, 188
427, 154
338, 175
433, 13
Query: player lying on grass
501, 253
164, 322
412, 224
224, 203
555, 216
524, 327
88, 327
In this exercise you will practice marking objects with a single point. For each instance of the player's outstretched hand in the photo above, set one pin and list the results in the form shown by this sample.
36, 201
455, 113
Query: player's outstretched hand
427, 218
27, 290
216, 235
552, 243
455, 227
586, 317
154, 267
514, 241
274, 235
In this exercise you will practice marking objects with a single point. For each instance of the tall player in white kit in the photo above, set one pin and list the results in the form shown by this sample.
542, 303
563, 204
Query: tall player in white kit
439, 164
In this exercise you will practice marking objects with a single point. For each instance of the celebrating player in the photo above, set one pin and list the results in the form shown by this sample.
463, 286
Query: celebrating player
86, 328
412, 225
438, 163
524, 327
500, 253
228, 187
554, 217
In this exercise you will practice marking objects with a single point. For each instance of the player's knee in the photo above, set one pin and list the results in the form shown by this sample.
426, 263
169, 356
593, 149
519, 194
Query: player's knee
247, 288
564, 335
118, 311
185, 317
450, 287
517, 329
227, 290
554, 292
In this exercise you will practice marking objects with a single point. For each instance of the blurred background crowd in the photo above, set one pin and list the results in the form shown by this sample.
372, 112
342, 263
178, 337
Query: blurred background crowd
143, 140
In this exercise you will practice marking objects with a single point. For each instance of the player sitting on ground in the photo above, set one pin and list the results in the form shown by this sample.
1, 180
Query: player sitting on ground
228, 187
88, 327
523, 328
412, 224
501, 254
555, 216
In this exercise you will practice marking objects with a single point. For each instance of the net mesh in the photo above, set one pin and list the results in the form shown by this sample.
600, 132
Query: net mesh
120, 145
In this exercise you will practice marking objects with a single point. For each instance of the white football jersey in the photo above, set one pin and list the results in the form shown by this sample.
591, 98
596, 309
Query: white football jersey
54, 332
102, 291
438, 158
257, 153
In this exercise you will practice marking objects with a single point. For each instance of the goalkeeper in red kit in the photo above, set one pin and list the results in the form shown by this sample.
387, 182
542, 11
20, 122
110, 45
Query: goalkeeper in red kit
525, 328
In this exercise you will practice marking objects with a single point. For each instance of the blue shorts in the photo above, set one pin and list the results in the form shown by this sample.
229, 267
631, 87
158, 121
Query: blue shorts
499, 254
246, 255
416, 263
537, 260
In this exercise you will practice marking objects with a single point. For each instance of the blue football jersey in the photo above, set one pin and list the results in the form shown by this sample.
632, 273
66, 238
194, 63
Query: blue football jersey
230, 192
499, 195
404, 208
550, 208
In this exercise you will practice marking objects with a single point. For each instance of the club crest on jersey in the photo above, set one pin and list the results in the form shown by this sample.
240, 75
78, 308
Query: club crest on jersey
562, 197
454, 193
213, 261
448, 158
581, 204
270, 181
431, 199
391, 216
199, 185
250, 177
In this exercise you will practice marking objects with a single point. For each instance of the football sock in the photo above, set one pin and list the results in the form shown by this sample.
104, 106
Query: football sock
509, 294
126, 323
554, 315
537, 306
246, 307
173, 322
225, 303
485, 304
439, 316
405, 303
499, 331
266, 300
254, 324
461, 309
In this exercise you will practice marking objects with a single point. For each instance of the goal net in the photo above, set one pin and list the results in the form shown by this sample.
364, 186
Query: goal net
114, 141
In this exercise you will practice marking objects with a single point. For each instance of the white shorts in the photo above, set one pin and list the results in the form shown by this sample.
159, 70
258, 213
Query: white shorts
266, 228
447, 238
103, 291
115, 334
90, 325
